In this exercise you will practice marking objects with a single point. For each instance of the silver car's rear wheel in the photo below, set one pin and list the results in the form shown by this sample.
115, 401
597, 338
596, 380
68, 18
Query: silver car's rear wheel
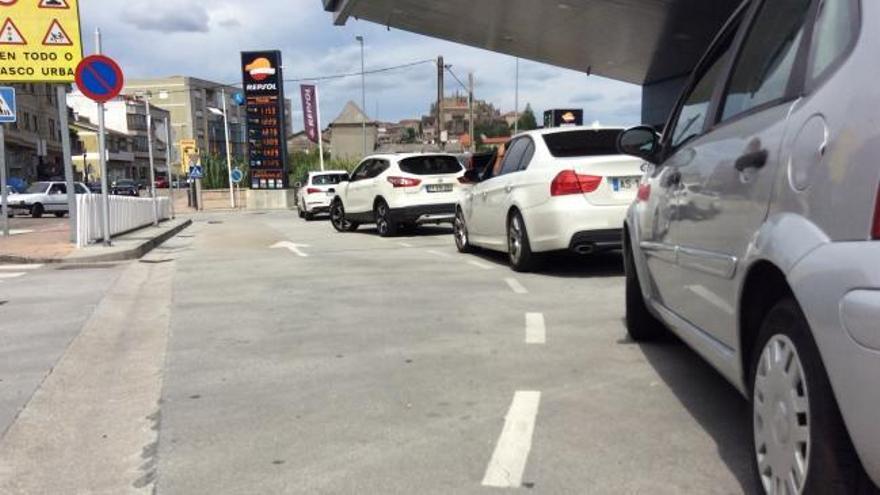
781, 407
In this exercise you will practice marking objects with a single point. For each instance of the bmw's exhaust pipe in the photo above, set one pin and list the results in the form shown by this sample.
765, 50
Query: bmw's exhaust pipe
585, 249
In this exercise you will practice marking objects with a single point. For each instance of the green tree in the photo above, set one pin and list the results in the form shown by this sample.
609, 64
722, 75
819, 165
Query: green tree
527, 120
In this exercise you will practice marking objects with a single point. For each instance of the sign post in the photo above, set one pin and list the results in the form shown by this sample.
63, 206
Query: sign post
8, 114
264, 95
100, 79
170, 173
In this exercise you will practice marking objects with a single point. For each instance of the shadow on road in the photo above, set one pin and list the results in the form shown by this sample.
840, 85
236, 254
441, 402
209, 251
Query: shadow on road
711, 400
566, 265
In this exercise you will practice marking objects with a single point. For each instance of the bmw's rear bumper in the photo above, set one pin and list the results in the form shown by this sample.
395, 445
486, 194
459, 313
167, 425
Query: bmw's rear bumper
422, 214
838, 288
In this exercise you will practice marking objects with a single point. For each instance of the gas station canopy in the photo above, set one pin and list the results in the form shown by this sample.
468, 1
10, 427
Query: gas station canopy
637, 41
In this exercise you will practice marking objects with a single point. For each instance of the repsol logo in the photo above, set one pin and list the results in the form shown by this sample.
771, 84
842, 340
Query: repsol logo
262, 87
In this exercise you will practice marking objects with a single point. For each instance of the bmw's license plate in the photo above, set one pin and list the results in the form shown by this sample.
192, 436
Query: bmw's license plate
625, 183
438, 188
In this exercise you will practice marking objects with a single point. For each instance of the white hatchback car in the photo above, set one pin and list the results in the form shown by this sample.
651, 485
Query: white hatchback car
399, 190
317, 191
45, 197
557, 189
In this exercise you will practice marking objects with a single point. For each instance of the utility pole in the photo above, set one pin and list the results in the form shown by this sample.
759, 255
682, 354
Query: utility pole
440, 68
102, 157
471, 111
4, 188
168, 146
61, 100
360, 40
516, 101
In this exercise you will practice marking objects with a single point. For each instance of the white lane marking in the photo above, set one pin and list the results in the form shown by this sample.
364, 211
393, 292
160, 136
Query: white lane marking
515, 286
19, 231
479, 265
508, 462
536, 330
11, 275
405, 244
440, 254
20, 267
293, 247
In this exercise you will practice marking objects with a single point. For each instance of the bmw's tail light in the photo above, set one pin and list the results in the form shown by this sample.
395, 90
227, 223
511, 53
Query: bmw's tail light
312, 190
404, 181
644, 192
875, 230
570, 182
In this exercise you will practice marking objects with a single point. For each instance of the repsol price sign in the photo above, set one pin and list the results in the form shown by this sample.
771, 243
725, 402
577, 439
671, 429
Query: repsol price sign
264, 108
40, 40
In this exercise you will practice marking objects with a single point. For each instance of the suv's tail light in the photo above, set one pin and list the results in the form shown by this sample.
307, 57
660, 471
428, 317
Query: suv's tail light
312, 190
404, 182
875, 231
570, 182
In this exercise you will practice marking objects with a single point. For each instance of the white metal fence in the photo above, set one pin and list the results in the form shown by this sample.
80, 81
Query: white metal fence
125, 214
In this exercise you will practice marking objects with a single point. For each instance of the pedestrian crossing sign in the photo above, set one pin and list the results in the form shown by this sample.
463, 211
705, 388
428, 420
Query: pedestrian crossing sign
7, 105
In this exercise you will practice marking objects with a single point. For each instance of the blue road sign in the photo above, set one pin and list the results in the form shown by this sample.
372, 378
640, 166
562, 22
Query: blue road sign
196, 172
237, 175
99, 78
7, 105
238, 98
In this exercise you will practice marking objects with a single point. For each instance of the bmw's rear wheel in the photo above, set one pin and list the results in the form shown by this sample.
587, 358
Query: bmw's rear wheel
385, 224
460, 232
519, 249
801, 445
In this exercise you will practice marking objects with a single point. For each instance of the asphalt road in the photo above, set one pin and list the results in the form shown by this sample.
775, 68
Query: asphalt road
258, 353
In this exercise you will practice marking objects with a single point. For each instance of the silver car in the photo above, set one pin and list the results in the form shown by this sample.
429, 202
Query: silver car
756, 234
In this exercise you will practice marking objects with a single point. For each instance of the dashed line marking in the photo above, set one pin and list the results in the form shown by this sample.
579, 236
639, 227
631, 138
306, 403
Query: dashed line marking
11, 275
405, 244
515, 286
479, 265
505, 469
536, 330
440, 254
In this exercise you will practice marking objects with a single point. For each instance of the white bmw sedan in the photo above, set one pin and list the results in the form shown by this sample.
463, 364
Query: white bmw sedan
555, 189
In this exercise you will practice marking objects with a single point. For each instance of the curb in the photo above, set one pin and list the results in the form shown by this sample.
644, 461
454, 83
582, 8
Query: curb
128, 254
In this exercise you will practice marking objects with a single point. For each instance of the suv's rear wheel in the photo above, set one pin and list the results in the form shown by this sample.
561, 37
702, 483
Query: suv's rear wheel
337, 218
519, 249
641, 325
385, 224
800, 442
460, 232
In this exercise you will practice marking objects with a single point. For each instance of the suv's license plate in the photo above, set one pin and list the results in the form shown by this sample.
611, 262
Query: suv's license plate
434, 188
625, 183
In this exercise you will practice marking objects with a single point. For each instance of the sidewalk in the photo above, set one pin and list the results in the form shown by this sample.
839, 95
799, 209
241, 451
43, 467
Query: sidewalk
51, 244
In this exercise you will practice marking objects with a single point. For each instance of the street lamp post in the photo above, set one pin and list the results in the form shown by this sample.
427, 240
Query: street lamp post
360, 40
146, 97
225, 113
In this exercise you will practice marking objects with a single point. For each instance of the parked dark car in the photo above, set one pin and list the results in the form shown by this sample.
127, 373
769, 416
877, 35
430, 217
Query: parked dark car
95, 187
125, 187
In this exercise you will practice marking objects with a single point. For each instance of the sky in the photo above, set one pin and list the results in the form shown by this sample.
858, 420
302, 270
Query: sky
203, 38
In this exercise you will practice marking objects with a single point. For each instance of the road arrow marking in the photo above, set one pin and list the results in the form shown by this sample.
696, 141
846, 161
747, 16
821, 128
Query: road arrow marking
293, 247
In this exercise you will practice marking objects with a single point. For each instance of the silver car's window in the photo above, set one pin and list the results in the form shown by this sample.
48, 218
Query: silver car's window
835, 31
764, 66
38, 188
80, 189
693, 114
527, 156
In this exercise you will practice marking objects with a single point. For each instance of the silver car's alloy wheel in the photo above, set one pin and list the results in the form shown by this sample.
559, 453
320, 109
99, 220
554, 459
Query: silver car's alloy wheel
459, 230
337, 216
515, 239
781, 406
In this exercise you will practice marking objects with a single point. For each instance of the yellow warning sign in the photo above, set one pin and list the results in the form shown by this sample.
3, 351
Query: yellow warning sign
40, 40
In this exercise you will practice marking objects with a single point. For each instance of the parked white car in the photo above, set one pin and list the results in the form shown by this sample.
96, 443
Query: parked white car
399, 190
45, 197
557, 189
317, 192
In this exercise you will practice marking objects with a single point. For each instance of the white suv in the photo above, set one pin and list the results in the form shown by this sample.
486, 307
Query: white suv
317, 191
398, 190
556, 189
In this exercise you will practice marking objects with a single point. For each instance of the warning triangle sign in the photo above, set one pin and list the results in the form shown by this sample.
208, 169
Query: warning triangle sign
54, 4
56, 36
5, 109
10, 35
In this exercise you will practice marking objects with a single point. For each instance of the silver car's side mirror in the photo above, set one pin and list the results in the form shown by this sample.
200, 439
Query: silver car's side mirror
641, 141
